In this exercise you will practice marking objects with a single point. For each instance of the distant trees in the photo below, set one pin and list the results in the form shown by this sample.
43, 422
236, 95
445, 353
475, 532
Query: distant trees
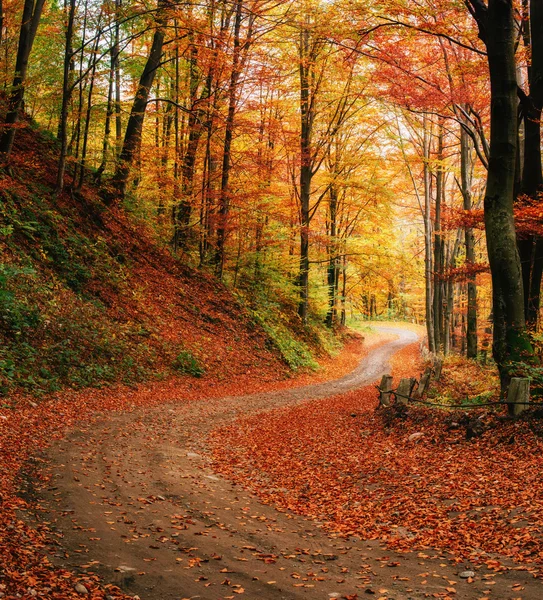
270, 154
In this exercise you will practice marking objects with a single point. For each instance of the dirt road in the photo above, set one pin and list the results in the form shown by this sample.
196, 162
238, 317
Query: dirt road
133, 498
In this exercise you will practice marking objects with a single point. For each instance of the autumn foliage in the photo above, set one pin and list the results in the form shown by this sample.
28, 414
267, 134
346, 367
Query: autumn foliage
337, 461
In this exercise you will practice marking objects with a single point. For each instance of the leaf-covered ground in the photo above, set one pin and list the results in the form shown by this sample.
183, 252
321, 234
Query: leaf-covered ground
29, 426
339, 461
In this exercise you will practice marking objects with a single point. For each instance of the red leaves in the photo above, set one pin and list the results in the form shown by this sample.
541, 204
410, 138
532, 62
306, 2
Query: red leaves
472, 498
30, 428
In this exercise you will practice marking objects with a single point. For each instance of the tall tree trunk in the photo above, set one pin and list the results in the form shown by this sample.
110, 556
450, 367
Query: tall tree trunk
107, 124
333, 259
510, 341
116, 65
428, 240
306, 172
224, 199
27, 33
183, 204
466, 177
82, 86
438, 248
88, 114
67, 89
531, 247
132, 137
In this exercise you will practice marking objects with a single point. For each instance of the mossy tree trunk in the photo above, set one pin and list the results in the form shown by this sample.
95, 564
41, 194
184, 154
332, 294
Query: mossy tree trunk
510, 340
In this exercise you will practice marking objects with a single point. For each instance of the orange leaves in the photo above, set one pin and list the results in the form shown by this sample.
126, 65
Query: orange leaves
32, 427
360, 478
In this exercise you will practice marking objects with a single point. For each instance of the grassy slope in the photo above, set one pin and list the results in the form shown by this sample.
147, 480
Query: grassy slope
88, 296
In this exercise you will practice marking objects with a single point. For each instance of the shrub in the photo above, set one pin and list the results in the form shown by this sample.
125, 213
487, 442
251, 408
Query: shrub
186, 362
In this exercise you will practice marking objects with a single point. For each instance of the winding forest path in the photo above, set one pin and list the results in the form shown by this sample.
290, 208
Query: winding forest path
135, 500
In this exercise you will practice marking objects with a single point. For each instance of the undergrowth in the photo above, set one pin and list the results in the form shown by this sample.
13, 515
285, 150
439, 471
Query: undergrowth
465, 381
88, 297
77, 309
274, 308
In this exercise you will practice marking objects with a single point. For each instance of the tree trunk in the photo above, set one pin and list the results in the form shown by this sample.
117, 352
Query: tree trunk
306, 173
183, 206
88, 114
332, 274
67, 89
438, 249
27, 33
466, 182
531, 247
107, 125
428, 240
132, 137
510, 340
115, 54
224, 199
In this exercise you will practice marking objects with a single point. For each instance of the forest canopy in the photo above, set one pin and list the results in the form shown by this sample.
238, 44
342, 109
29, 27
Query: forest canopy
343, 158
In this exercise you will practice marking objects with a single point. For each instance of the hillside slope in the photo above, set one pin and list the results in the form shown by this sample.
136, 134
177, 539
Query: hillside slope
88, 296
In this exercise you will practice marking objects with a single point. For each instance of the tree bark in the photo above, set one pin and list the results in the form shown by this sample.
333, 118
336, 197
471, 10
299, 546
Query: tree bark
115, 54
429, 292
438, 249
531, 247
27, 33
306, 172
466, 182
132, 137
107, 124
510, 341
183, 204
224, 199
66, 97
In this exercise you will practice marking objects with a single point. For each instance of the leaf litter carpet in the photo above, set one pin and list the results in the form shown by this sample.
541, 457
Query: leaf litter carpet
332, 460
335, 461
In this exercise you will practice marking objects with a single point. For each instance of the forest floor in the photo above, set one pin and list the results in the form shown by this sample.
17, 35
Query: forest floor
212, 496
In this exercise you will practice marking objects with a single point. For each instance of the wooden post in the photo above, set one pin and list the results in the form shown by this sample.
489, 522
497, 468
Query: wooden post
423, 384
404, 390
518, 396
385, 387
438, 366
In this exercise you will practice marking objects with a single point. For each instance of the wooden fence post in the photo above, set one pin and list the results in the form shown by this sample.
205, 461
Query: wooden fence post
404, 390
518, 396
423, 384
385, 387
438, 367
